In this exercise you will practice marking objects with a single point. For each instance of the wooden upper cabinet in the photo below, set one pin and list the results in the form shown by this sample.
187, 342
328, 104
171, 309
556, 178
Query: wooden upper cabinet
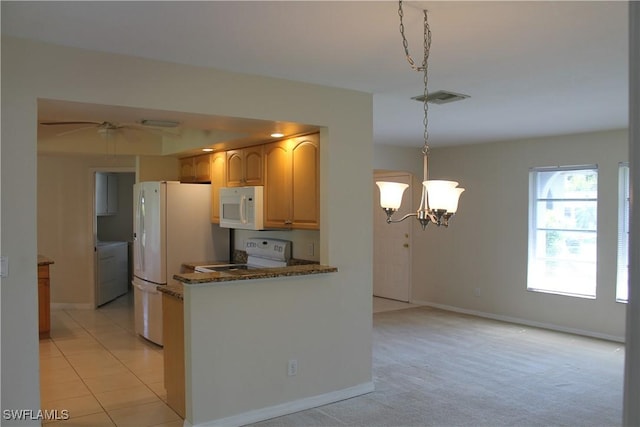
253, 165
235, 174
202, 168
292, 185
195, 169
305, 168
277, 188
289, 170
244, 167
217, 168
187, 170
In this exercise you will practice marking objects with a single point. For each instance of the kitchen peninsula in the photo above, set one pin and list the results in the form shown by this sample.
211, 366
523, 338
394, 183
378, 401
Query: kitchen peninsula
236, 325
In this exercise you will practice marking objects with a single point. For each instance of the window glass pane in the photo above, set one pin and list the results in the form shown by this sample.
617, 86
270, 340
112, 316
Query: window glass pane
566, 245
563, 231
574, 215
567, 184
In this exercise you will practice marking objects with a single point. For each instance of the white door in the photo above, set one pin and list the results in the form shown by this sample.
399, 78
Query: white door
391, 243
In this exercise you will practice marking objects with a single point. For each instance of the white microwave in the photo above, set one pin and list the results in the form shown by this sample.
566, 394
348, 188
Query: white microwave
242, 207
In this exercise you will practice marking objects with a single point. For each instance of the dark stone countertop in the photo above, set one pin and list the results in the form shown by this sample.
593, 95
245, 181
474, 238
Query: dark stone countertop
251, 274
175, 291
193, 264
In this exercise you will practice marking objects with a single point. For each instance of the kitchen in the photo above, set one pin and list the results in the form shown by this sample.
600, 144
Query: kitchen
306, 241
175, 223
66, 173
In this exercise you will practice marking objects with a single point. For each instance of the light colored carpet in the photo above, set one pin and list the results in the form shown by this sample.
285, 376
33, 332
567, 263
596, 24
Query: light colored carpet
437, 368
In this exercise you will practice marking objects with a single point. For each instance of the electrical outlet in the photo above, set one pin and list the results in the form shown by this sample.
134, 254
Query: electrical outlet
292, 368
311, 250
476, 292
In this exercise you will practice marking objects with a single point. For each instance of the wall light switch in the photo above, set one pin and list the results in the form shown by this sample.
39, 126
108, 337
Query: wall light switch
4, 266
292, 367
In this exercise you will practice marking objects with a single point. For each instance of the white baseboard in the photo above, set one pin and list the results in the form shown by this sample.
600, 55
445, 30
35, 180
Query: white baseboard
70, 306
520, 321
287, 408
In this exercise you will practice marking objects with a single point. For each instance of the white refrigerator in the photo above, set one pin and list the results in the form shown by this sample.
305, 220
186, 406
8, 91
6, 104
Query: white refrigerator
172, 225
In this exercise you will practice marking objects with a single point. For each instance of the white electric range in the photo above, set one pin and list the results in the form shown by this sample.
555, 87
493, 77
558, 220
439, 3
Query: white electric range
261, 253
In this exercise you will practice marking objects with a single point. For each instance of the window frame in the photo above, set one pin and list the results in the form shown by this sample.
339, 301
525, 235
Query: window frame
622, 267
533, 228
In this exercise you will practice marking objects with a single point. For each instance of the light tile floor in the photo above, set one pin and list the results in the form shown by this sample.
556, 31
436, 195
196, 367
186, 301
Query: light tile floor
97, 368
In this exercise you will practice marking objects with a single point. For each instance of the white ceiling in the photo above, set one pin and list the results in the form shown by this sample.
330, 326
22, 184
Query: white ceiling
531, 68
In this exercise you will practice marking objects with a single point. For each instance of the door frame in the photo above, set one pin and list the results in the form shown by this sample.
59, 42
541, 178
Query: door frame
94, 220
381, 174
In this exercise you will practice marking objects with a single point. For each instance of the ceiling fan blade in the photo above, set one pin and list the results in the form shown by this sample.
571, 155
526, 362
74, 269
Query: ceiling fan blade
69, 123
75, 130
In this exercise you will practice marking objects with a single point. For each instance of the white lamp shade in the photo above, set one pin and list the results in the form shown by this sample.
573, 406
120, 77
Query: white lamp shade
443, 194
454, 196
391, 194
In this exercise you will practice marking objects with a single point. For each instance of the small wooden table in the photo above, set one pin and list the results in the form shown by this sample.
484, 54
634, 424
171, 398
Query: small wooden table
44, 311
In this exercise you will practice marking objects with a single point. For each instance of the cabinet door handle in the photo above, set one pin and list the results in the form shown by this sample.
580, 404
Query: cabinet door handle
406, 245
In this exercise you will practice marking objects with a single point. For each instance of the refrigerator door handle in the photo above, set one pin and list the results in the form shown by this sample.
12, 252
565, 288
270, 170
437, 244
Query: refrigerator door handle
141, 209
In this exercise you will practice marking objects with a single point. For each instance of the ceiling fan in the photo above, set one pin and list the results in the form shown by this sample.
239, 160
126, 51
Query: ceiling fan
108, 128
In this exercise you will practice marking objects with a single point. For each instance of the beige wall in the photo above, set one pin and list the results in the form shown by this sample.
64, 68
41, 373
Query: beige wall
407, 159
65, 226
486, 244
157, 168
31, 70
270, 316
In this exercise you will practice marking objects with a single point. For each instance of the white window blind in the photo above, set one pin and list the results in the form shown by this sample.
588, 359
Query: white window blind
622, 282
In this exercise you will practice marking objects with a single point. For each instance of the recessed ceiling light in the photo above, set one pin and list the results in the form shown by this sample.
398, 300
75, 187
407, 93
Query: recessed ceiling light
207, 149
277, 135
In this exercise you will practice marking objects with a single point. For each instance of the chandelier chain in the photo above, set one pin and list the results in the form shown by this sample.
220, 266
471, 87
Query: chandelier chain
405, 43
423, 68
425, 63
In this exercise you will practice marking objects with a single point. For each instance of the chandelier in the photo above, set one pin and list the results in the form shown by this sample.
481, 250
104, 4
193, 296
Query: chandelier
439, 200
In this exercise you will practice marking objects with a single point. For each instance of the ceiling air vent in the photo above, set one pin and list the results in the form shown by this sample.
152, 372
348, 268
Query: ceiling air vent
441, 97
